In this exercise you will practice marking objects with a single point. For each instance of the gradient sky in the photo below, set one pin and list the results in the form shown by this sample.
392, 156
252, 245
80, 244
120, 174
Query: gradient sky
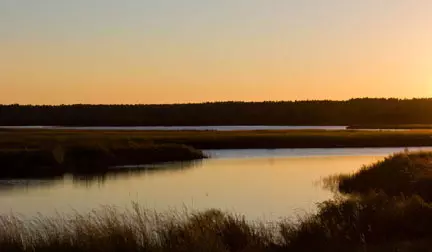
169, 51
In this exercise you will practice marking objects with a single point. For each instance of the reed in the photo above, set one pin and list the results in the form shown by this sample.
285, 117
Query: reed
406, 173
372, 223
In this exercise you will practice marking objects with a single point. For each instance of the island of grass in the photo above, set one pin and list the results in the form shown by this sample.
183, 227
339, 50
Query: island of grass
407, 173
262, 139
59, 158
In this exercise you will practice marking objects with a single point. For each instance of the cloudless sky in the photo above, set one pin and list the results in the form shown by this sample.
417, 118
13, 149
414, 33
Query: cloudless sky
169, 51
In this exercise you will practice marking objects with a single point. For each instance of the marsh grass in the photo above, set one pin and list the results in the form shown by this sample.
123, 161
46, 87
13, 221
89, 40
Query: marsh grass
109, 229
31, 139
406, 173
357, 224
60, 159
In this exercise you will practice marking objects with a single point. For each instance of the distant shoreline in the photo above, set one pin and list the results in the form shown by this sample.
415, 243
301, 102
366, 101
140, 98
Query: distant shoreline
259, 139
365, 111
180, 128
391, 126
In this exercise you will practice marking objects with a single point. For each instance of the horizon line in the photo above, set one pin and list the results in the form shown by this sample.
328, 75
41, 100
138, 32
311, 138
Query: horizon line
218, 102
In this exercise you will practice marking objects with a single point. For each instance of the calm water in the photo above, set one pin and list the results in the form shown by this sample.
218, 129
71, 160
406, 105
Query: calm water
264, 184
216, 128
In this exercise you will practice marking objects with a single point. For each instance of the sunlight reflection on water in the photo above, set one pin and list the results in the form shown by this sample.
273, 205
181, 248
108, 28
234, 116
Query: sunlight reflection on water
265, 184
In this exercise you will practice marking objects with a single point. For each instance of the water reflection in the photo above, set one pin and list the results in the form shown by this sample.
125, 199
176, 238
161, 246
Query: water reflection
27, 184
270, 185
125, 172
97, 179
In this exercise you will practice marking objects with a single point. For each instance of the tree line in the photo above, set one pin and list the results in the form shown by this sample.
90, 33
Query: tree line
315, 112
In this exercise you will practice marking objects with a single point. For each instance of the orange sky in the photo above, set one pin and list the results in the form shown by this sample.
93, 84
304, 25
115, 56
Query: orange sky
138, 51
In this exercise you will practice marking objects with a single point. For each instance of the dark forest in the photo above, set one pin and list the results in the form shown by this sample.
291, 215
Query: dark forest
364, 111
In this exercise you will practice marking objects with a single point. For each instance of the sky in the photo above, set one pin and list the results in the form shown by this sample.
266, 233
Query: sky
172, 51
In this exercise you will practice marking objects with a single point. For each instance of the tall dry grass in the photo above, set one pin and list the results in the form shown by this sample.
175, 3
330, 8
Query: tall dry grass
406, 173
358, 224
109, 229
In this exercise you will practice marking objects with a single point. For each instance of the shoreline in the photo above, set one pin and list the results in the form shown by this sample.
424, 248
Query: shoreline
260, 139
390, 127
205, 140
29, 153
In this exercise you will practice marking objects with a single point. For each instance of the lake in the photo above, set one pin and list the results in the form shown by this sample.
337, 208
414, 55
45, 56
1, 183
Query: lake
261, 184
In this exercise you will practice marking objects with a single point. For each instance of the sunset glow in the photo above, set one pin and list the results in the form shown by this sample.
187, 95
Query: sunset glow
140, 51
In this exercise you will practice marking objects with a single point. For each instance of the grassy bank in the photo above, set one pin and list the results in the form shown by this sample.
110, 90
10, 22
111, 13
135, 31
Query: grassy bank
58, 158
217, 139
408, 173
374, 223
31, 153
391, 126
